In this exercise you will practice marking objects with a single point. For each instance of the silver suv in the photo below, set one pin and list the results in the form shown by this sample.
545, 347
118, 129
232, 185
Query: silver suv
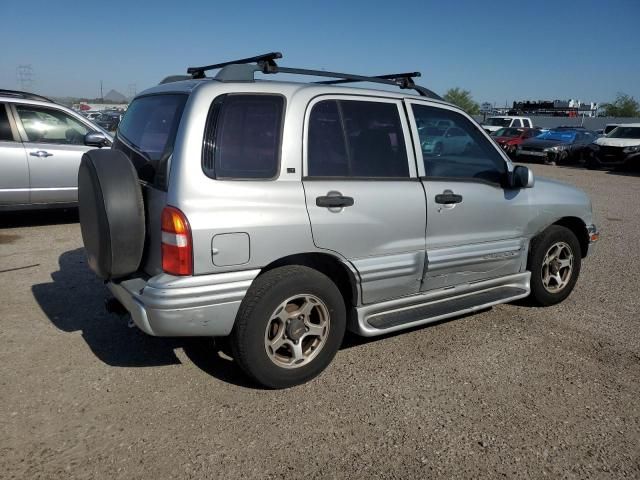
280, 213
41, 144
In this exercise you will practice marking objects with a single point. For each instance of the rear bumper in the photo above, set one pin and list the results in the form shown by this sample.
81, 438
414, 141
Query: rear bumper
169, 306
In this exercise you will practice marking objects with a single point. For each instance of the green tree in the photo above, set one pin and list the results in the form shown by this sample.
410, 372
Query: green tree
463, 99
623, 106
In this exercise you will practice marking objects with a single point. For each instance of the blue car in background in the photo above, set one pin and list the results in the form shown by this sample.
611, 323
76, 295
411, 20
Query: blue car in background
560, 145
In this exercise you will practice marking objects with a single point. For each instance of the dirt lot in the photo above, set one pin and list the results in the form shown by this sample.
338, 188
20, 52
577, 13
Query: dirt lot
514, 391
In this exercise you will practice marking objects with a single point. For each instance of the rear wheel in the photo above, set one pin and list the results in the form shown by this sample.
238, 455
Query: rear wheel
554, 262
591, 163
289, 327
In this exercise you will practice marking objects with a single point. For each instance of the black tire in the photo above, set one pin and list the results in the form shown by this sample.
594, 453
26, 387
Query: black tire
264, 296
111, 213
591, 163
540, 245
437, 149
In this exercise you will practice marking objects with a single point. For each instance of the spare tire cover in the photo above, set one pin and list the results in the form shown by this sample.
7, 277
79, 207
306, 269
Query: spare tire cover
111, 213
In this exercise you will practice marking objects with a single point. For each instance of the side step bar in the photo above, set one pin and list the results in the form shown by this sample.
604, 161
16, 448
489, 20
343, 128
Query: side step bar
437, 305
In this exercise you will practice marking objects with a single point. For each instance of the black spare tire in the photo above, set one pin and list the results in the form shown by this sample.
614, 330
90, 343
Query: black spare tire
111, 213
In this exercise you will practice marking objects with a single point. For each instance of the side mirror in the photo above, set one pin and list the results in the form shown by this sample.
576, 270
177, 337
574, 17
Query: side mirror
95, 139
521, 177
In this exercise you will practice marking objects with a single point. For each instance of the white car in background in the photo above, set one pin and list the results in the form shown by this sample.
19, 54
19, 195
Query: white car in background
493, 124
621, 146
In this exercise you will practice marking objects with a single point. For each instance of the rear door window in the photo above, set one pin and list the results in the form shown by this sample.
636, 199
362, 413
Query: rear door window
361, 139
242, 137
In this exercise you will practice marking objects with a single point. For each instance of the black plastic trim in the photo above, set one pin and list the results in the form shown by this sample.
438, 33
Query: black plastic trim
442, 307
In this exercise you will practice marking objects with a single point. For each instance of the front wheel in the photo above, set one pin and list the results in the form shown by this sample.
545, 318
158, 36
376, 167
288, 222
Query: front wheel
289, 327
554, 263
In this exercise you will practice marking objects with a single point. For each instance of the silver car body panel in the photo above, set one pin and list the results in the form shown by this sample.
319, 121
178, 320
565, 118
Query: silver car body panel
14, 174
399, 246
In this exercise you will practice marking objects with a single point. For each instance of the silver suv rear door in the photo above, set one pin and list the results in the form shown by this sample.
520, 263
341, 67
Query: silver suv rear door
54, 142
14, 171
363, 196
475, 226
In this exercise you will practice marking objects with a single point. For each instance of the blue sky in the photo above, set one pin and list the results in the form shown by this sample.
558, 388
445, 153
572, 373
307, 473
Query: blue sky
500, 51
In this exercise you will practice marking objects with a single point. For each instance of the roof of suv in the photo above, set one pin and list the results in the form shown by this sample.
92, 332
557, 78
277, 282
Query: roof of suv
284, 87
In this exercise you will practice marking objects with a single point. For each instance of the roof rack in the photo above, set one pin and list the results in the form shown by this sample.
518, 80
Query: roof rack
24, 95
262, 61
244, 69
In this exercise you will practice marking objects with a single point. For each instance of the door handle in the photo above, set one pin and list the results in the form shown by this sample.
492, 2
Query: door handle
334, 201
448, 197
41, 154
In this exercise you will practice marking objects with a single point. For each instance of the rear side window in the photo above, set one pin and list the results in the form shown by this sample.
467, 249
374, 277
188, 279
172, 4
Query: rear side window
361, 139
5, 128
242, 137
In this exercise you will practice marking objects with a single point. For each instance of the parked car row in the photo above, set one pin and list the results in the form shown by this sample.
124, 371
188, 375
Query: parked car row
41, 144
618, 145
107, 119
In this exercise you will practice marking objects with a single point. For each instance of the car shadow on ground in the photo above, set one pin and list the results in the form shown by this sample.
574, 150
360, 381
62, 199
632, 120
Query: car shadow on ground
74, 302
34, 218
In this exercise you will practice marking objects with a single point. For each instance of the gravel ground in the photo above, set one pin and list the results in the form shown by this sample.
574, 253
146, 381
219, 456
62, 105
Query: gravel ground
514, 391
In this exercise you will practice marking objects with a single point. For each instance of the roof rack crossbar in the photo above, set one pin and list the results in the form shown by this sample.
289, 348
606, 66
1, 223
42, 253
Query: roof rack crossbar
25, 95
402, 80
390, 76
264, 61
393, 79
266, 64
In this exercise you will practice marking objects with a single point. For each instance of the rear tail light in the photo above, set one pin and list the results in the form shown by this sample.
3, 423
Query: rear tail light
177, 246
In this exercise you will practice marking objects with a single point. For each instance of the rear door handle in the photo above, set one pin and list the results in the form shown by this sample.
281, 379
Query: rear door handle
334, 201
448, 197
41, 154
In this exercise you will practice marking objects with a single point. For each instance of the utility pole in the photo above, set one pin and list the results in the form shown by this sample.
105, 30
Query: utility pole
101, 95
133, 90
24, 76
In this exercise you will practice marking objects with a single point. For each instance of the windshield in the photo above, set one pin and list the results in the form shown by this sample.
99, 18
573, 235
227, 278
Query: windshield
625, 132
507, 132
498, 122
565, 136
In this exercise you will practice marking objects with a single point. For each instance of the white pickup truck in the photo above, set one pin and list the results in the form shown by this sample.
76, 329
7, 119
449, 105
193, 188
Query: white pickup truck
493, 124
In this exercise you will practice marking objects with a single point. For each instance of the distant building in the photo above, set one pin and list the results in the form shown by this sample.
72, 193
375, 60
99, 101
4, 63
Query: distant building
557, 108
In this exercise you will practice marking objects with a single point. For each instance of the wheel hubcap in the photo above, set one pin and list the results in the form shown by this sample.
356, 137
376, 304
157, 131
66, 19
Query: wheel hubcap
557, 267
297, 331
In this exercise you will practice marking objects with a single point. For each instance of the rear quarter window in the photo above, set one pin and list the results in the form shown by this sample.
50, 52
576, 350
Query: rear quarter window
242, 137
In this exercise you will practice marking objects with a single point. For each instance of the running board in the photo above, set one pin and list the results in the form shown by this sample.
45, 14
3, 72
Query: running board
433, 306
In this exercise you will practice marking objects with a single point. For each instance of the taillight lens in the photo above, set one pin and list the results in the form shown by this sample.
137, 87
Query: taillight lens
177, 248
